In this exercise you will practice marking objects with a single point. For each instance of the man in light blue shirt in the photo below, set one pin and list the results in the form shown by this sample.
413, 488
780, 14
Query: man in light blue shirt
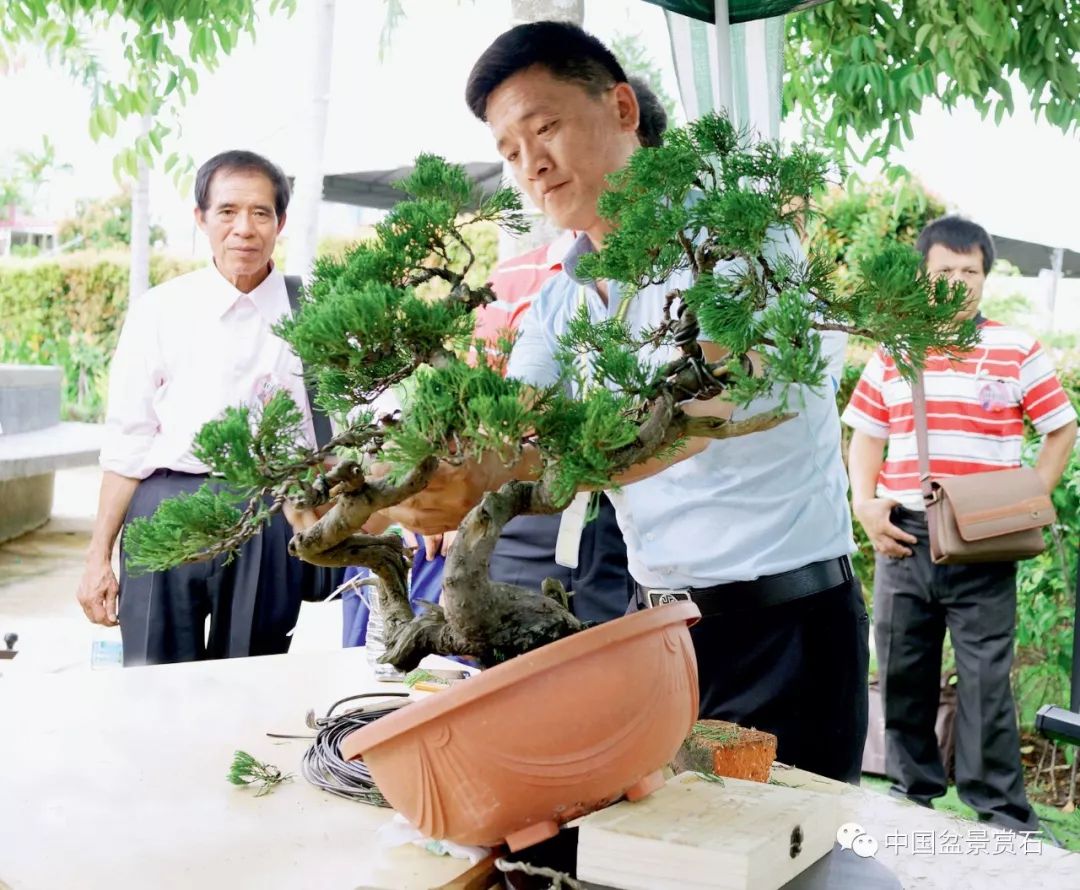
755, 529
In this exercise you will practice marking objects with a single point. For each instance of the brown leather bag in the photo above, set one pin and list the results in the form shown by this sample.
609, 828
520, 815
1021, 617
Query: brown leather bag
980, 517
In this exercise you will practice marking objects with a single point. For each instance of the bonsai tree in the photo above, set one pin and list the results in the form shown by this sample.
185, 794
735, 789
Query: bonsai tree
368, 322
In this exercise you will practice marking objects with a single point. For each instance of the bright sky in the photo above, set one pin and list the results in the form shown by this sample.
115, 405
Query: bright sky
1018, 180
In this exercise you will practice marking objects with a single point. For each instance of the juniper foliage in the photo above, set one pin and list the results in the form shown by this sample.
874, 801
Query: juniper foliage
709, 202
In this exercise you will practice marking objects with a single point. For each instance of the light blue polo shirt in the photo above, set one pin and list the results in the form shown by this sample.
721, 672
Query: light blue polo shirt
744, 507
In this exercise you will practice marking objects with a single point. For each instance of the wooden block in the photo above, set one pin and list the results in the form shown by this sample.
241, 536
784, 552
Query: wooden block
727, 749
723, 834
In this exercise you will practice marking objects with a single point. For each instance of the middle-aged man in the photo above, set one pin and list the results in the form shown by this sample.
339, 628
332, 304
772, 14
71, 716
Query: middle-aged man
975, 409
189, 349
756, 529
526, 551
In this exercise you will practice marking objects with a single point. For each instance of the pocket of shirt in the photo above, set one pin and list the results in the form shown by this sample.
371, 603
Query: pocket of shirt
996, 394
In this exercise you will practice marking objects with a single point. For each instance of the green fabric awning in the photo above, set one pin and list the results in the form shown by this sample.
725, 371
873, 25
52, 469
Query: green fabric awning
740, 10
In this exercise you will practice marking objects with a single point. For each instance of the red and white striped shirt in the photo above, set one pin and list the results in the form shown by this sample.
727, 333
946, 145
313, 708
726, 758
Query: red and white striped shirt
975, 409
517, 282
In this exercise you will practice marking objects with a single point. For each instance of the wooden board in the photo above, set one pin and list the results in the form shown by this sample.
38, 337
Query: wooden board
726, 835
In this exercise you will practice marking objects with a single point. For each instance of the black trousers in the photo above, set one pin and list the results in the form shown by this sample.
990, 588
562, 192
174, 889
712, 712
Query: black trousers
252, 602
914, 602
601, 584
797, 670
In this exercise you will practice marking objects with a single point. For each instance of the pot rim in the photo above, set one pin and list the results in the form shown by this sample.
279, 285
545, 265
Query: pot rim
511, 672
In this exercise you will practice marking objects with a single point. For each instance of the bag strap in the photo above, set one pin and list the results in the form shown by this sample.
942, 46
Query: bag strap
918, 405
319, 420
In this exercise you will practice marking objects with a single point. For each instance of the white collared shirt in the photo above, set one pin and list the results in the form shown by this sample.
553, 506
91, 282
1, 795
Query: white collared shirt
744, 507
189, 349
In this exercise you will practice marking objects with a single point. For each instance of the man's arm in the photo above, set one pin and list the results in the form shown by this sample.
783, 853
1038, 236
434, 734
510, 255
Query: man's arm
865, 457
1054, 454
98, 588
130, 426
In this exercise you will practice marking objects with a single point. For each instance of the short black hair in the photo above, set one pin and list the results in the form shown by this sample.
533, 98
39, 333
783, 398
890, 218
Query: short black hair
567, 51
237, 160
959, 235
652, 118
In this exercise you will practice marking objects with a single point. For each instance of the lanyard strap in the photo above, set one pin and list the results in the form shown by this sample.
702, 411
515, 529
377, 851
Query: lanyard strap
620, 316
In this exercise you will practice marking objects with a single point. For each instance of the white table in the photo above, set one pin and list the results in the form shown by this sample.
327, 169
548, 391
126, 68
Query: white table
116, 779
929, 850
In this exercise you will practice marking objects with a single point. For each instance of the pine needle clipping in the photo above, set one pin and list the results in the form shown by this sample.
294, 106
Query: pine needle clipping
246, 770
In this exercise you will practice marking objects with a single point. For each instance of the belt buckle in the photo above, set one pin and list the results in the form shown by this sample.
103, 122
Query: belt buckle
664, 596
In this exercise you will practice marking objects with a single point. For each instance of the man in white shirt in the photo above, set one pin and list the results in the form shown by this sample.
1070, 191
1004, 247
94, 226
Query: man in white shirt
754, 529
189, 349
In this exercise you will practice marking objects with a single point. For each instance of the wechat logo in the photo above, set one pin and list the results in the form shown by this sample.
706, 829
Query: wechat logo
852, 836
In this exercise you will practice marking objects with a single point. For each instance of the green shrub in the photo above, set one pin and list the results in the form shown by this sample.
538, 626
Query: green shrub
68, 312
856, 221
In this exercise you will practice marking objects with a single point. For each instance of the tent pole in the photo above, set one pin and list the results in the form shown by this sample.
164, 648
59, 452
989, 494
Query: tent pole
725, 97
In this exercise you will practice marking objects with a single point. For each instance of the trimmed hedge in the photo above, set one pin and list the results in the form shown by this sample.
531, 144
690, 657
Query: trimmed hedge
68, 312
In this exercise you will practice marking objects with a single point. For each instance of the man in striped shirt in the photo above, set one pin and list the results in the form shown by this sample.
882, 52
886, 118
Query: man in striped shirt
976, 406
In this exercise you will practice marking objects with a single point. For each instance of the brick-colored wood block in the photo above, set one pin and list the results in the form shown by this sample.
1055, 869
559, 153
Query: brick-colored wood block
727, 749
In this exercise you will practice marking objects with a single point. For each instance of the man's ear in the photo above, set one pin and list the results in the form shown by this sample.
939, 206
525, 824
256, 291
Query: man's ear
200, 219
626, 104
281, 222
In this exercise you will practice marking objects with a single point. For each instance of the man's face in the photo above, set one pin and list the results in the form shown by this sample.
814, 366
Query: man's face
967, 268
560, 141
241, 224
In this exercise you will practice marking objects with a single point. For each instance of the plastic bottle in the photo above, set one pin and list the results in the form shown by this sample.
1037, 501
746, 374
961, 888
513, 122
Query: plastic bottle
375, 639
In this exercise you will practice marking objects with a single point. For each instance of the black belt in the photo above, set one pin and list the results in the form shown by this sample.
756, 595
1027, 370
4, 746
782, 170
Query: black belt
166, 473
769, 590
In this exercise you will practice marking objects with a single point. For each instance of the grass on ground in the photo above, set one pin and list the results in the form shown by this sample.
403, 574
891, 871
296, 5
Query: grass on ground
1065, 826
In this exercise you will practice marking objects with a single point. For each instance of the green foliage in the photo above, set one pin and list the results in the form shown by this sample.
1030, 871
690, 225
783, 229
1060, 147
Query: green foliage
68, 312
580, 435
363, 327
24, 175
1046, 587
164, 46
458, 410
857, 220
183, 529
746, 198
245, 446
104, 224
704, 198
862, 69
604, 352
246, 770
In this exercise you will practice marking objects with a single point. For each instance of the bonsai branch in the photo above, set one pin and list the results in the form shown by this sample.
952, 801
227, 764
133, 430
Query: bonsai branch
354, 508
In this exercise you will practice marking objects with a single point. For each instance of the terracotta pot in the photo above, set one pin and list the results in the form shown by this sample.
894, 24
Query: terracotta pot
525, 746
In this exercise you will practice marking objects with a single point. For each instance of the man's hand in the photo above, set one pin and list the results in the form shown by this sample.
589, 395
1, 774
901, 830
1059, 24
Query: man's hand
97, 592
434, 545
301, 519
888, 539
452, 492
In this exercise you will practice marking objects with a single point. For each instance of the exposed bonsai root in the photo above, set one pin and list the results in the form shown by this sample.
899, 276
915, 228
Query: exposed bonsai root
481, 618
553, 589
425, 634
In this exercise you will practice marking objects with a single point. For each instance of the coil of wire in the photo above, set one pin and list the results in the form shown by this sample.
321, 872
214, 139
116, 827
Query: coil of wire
325, 768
